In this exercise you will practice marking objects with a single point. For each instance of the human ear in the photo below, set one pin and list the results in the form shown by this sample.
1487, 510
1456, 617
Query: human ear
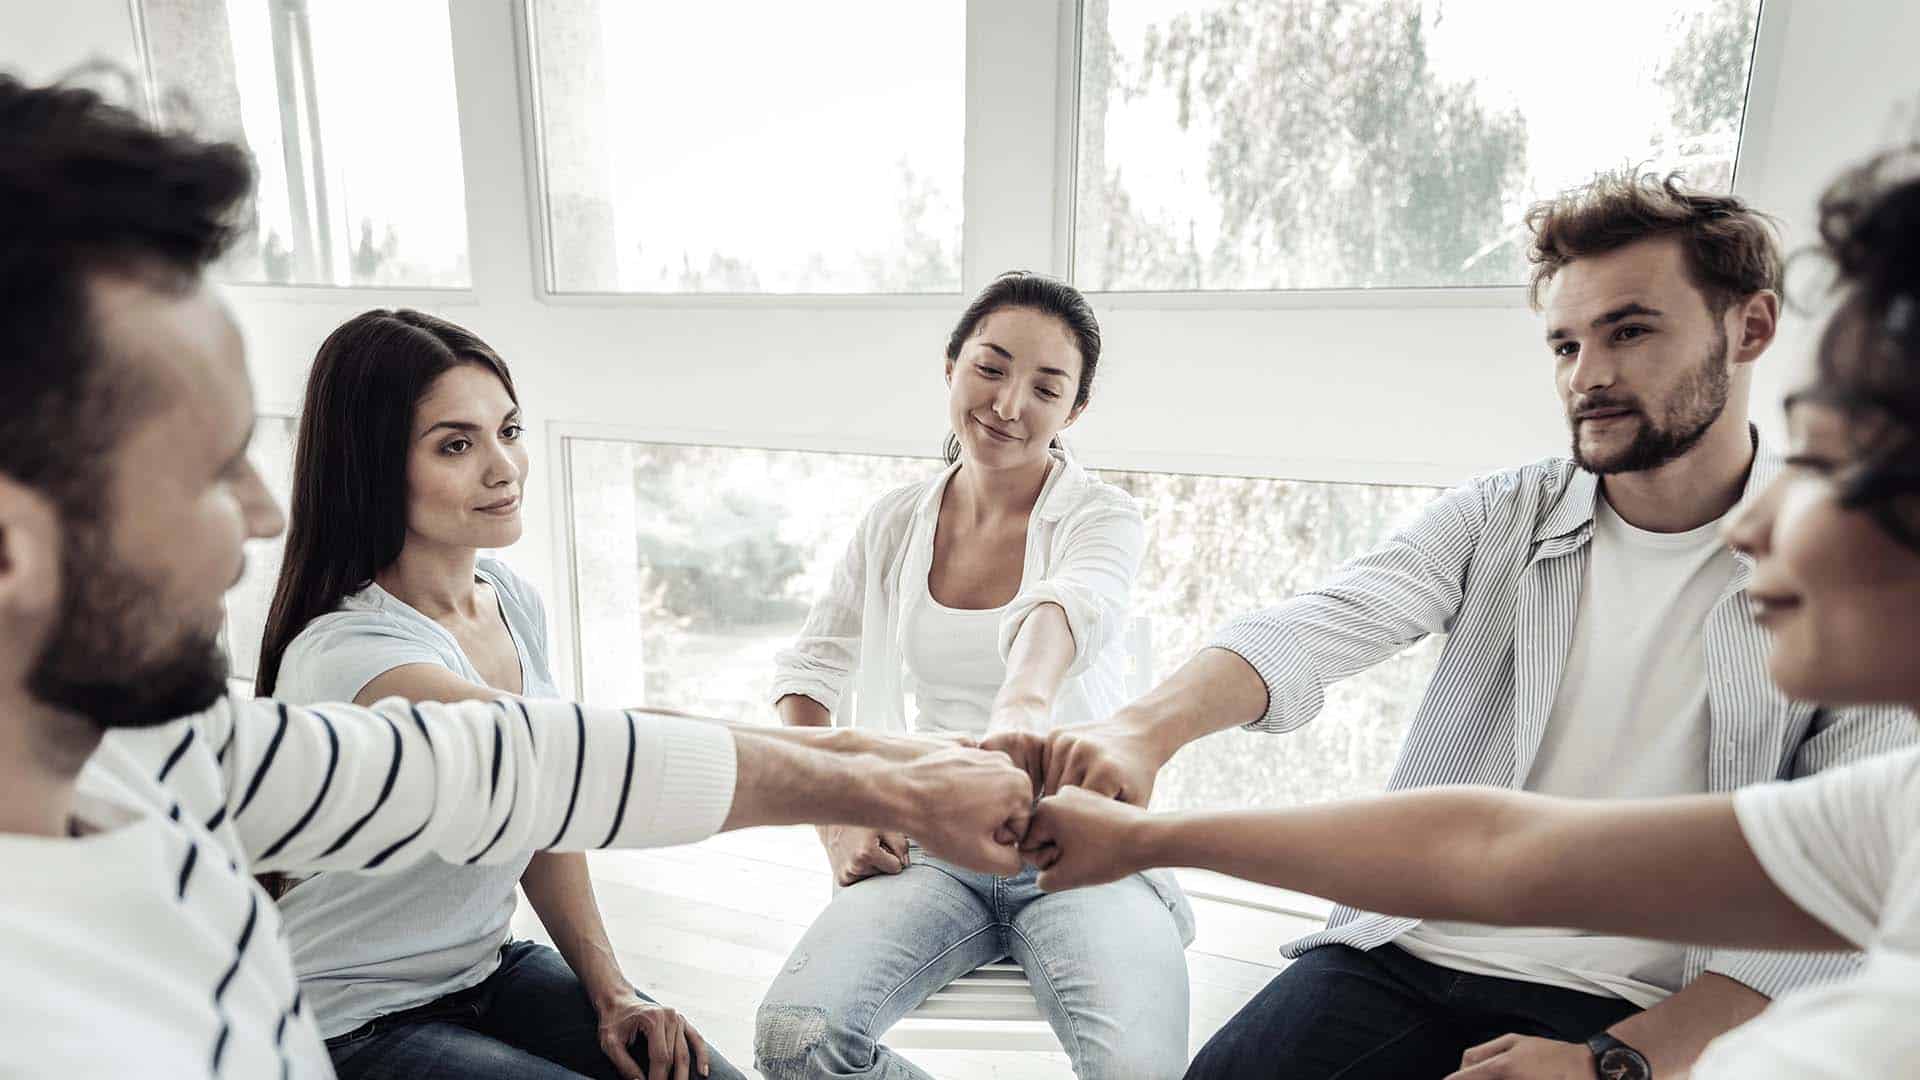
30, 539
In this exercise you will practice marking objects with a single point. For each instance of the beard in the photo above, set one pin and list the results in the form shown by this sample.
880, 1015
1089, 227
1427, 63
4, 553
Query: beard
1690, 411
110, 657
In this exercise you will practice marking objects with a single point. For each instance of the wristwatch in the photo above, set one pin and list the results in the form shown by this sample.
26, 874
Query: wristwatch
1615, 1060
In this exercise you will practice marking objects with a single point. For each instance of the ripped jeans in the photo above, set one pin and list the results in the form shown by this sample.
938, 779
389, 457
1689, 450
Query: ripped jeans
1107, 965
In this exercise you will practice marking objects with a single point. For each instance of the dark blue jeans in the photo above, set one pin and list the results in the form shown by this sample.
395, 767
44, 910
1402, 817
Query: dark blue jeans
529, 1020
1338, 1012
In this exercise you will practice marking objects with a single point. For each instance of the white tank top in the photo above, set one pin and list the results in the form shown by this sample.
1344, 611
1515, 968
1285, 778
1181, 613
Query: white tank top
953, 666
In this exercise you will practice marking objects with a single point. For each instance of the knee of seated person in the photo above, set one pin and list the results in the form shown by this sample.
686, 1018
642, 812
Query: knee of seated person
791, 1042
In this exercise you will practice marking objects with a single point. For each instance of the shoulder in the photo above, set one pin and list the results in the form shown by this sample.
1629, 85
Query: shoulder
336, 655
889, 518
514, 589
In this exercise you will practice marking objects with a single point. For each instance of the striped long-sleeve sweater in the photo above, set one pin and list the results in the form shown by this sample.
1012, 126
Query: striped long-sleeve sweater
143, 947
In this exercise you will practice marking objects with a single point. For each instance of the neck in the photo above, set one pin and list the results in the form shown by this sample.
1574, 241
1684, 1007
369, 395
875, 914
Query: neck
41, 753
433, 579
996, 493
1698, 487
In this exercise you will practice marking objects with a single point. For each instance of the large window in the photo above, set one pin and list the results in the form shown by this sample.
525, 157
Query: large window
694, 564
348, 109
751, 147
1300, 144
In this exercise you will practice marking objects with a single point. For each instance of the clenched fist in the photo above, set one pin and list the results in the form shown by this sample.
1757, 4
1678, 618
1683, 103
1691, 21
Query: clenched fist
966, 806
1080, 838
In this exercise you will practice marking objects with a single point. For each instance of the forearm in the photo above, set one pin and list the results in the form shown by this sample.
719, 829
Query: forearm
799, 710
1673, 1033
1037, 665
1214, 691
1509, 858
788, 777
560, 889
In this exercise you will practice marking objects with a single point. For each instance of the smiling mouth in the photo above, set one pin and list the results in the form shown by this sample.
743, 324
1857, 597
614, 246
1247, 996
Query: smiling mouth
994, 431
1765, 609
501, 507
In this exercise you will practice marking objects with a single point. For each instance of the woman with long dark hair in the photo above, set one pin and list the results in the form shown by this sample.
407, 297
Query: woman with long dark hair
1827, 862
410, 462
996, 593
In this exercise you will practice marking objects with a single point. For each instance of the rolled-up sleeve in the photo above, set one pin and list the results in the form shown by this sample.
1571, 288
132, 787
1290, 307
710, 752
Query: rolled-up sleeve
1099, 555
1373, 607
824, 656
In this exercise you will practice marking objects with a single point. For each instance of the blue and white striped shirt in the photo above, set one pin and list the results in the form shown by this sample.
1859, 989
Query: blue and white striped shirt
1498, 564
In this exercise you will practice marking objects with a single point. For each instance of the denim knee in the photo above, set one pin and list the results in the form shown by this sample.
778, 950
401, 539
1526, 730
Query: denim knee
792, 1042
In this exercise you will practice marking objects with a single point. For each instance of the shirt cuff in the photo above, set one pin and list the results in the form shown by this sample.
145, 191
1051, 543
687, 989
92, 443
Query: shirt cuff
698, 767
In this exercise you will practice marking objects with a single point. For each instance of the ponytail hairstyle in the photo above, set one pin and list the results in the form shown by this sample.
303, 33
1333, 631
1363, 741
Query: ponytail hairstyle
1048, 296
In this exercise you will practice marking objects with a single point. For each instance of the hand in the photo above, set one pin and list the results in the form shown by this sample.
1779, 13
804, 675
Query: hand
672, 1044
1026, 750
968, 806
856, 853
1080, 838
1524, 1057
1118, 758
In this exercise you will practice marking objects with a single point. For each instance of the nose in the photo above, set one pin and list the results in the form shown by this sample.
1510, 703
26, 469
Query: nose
1749, 528
502, 469
265, 520
1592, 370
1006, 403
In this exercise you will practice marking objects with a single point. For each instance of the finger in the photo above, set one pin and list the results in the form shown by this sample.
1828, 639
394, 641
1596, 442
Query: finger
659, 1054
1102, 781
1040, 831
897, 844
701, 1064
881, 861
613, 1043
1059, 756
682, 1061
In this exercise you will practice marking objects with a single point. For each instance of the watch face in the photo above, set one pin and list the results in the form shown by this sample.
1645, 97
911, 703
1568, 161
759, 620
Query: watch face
1622, 1063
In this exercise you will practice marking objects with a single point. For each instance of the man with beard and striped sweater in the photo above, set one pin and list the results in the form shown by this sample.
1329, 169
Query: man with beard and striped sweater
136, 799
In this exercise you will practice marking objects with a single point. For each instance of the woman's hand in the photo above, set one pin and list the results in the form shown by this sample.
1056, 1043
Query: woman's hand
673, 1047
1080, 838
856, 853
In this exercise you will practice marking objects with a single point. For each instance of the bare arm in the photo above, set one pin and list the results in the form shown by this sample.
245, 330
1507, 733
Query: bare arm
1675, 869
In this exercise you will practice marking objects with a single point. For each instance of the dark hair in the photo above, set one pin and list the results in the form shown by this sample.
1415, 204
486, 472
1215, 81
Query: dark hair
348, 520
1036, 292
86, 187
1869, 353
1731, 250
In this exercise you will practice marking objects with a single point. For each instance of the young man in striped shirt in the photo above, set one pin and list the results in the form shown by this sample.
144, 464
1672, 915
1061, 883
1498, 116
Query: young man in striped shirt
1598, 646
136, 800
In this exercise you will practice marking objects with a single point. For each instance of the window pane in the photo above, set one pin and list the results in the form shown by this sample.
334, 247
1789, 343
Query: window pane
348, 108
820, 152
1219, 547
1300, 144
696, 564
274, 438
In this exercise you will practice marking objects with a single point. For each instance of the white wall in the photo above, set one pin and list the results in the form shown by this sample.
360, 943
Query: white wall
1391, 386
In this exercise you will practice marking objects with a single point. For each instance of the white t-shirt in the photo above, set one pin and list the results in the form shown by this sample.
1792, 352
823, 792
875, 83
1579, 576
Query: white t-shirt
144, 948
367, 945
1845, 846
1630, 720
954, 669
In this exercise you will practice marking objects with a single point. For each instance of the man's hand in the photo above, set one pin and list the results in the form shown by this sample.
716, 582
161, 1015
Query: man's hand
673, 1047
965, 805
1027, 751
1524, 1057
1118, 758
856, 853
1080, 838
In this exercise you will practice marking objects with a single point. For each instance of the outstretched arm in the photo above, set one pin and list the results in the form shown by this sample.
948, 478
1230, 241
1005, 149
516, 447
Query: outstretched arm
1677, 869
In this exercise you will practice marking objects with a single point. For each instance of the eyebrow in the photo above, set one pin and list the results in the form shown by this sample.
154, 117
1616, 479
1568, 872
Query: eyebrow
465, 427
1624, 311
1043, 371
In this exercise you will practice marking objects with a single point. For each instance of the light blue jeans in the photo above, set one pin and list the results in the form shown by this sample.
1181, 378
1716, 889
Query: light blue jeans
1107, 965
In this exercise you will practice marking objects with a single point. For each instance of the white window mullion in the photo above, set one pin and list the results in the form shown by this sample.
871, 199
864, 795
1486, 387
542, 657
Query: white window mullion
1013, 137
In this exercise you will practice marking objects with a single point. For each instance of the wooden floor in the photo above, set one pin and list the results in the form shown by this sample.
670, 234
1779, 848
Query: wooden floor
704, 928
